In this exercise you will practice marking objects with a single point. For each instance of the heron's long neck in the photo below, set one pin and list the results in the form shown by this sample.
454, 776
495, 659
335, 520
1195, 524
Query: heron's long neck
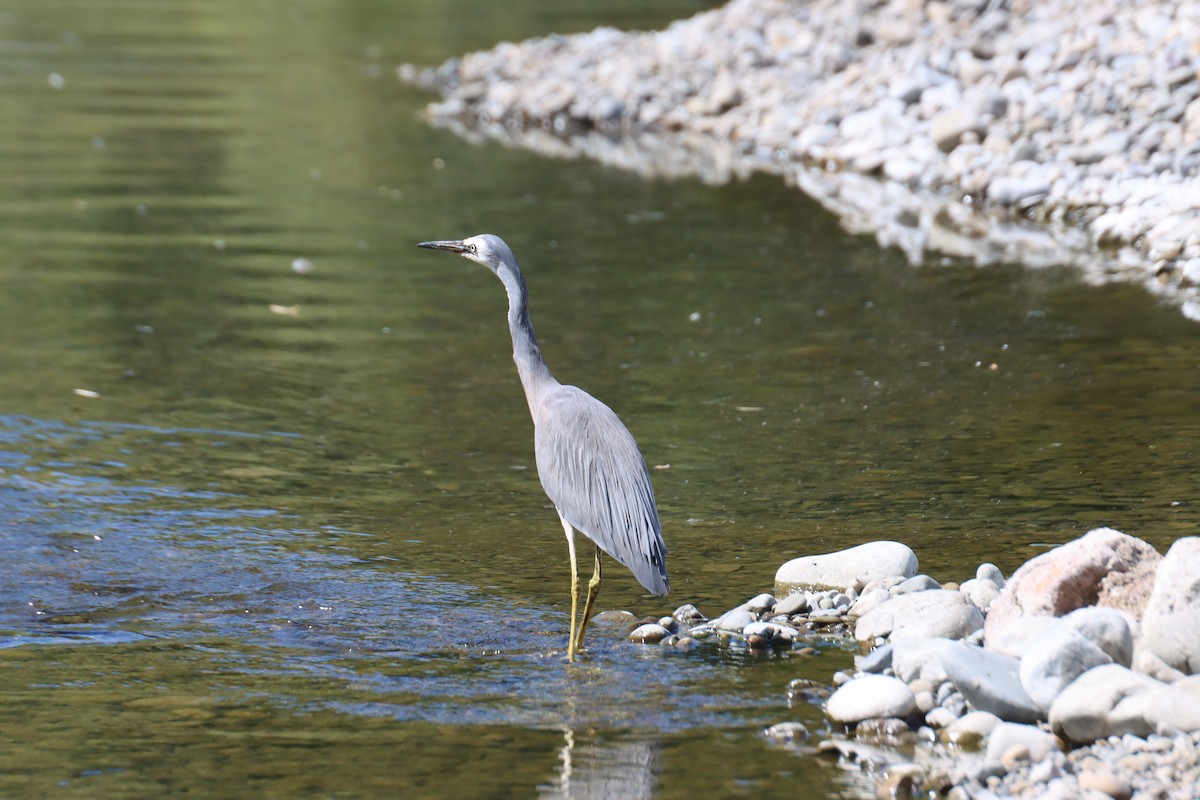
535, 375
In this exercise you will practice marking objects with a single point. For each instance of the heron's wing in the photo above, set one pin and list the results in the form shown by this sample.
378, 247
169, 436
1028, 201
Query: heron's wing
592, 470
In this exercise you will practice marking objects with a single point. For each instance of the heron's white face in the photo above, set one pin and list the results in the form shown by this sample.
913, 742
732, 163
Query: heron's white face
486, 249
489, 250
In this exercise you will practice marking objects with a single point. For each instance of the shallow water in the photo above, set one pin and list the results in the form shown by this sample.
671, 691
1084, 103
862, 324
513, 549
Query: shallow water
275, 531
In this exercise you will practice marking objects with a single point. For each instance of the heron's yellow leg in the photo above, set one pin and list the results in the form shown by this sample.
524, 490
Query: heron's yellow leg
570, 531
593, 590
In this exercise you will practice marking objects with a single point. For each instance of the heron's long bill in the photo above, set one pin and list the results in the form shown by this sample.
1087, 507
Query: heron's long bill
453, 247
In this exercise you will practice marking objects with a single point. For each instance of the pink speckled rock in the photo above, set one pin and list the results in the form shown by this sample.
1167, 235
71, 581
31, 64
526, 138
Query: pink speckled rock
1103, 568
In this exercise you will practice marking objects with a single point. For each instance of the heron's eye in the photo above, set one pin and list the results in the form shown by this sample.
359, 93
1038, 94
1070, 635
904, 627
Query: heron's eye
471, 247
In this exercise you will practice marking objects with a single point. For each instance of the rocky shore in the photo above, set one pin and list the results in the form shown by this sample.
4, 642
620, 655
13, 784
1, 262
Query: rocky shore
1078, 677
1040, 132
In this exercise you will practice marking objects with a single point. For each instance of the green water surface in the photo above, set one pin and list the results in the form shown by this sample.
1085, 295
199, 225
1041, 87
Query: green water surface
269, 522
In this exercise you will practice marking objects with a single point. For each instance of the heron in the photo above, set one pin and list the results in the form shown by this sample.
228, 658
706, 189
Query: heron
587, 460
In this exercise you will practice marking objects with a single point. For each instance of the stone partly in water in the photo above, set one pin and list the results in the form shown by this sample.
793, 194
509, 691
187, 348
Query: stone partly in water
650, 633
733, 621
869, 697
787, 732
613, 617
866, 562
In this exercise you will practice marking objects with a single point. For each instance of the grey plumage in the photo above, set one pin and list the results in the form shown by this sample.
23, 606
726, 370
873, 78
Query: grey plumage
588, 462
592, 470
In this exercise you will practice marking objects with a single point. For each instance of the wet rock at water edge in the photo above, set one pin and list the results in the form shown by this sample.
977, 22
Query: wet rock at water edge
787, 732
794, 603
806, 690
688, 614
837, 570
871, 696
734, 621
650, 633
613, 618
890, 731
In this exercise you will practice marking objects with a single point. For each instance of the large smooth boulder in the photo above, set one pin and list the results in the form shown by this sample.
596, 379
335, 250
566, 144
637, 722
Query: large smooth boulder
870, 697
866, 562
1171, 622
1103, 568
989, 682
938, 613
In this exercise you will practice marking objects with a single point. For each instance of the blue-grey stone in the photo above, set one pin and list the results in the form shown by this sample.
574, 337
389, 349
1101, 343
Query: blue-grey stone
990, 682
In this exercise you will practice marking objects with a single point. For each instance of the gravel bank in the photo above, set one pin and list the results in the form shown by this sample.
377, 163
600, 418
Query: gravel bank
1078, 676
1041, 132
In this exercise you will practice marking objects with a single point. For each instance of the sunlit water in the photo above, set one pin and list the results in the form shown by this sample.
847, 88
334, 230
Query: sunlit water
269, 522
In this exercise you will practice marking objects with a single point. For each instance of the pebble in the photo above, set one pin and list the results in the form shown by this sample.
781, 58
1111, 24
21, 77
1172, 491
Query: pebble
1098, 776
794, 603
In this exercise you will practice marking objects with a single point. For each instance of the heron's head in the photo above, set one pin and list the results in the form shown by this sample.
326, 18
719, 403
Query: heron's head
487, 249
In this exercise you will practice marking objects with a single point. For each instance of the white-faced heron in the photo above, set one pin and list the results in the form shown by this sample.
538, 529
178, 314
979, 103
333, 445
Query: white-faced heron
587, 460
